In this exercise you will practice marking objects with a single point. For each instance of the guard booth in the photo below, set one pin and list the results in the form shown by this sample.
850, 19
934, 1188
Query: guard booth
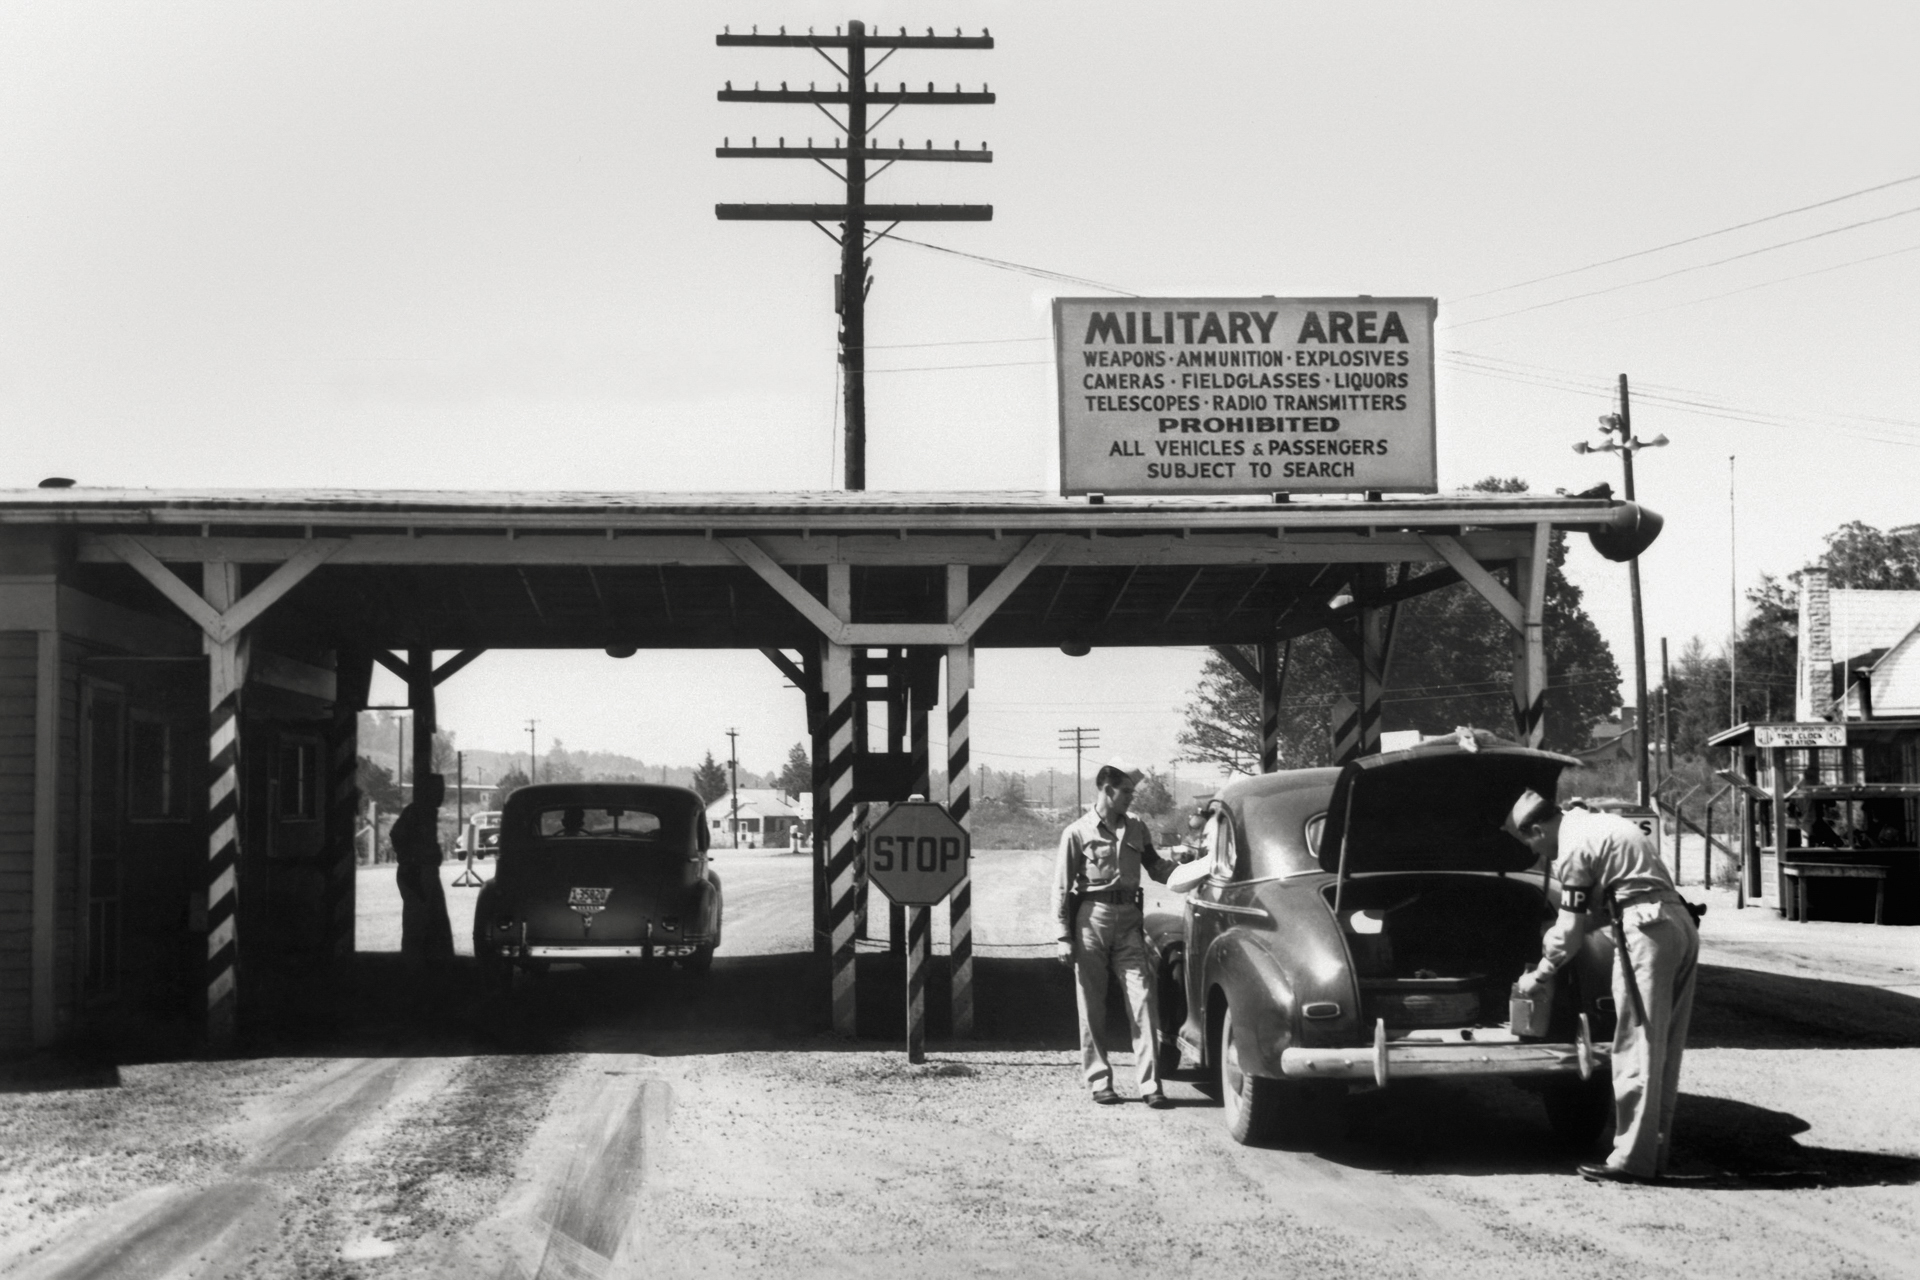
1830, 817
181, 671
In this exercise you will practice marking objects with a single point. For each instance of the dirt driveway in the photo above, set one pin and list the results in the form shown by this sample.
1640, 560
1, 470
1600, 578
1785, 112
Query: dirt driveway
691, 1127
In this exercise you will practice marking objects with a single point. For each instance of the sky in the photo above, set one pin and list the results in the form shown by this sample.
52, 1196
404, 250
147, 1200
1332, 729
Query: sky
472, 245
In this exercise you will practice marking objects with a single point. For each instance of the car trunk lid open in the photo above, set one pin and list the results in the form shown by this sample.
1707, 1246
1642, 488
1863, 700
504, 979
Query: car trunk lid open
1440, 806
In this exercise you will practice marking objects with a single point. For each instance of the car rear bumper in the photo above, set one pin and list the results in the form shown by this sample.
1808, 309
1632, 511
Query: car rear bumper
594, 953
1496, 1054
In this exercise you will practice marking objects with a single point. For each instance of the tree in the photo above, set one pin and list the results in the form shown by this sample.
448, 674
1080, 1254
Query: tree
560, 766
1452, 665
796, 778
1013, 792
710, 779
1152, 797
376, 784
1859, 555
511, 781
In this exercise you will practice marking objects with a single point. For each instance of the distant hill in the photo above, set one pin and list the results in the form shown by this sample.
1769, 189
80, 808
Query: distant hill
383, 738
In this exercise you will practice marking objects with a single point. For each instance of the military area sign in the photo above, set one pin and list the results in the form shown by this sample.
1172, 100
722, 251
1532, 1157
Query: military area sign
917, 853
1245, 395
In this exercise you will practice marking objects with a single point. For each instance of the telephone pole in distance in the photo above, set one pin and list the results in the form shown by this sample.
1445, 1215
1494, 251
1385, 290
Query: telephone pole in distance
1081, 740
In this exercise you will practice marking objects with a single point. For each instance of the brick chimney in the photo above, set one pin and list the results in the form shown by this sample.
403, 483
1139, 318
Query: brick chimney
1813, 689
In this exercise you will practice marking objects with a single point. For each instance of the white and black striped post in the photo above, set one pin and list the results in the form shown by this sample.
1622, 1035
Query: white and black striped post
843, 841
1273, 679
226, 674
919, 926
960, 807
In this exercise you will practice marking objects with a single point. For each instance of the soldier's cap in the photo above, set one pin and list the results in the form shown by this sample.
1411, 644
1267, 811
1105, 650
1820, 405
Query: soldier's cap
1116, 771
1531, 807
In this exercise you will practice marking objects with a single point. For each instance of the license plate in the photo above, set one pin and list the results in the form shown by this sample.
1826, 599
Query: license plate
588, 897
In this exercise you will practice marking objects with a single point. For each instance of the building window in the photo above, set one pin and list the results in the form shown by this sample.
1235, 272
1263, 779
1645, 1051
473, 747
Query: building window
299, 780
155, 779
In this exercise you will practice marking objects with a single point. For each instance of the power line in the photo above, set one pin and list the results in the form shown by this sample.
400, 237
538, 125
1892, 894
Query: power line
1764, 284
937, 368
1681, 271
958, 342
1002, 264
1705, 235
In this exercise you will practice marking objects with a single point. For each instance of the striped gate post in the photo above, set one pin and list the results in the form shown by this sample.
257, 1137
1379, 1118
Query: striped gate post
919, 923
960, 806
843, 841
1346, 730
226, 673
1530, 650
343, 809
1273, 675
352, 673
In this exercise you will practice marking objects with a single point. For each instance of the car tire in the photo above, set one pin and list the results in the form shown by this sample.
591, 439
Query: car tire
1578, 1110
1171, 1007
699, 962
1255, 1105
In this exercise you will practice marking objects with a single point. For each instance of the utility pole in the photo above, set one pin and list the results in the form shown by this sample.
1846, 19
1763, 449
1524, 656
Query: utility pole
1626, 446
533, 760
460, 790
733, 761
1081, 740
854, 96
1733, 603
400, 752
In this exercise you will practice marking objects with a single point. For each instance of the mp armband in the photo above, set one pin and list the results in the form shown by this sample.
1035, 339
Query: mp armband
1576, 898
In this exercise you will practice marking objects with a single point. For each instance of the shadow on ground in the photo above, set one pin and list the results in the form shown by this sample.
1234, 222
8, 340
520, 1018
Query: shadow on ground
1747, 1009
1480, 1128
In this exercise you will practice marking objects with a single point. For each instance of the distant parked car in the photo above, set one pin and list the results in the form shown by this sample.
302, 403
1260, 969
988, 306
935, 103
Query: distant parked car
1363, 925
601, 875
482, 836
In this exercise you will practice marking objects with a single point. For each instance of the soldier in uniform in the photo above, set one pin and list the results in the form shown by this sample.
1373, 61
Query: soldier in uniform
1097, 900
1606, 864
425, 933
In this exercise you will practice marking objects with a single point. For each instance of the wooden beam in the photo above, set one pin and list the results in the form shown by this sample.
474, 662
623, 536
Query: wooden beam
394, 664
1006, 582
223, 624
1231, 655
788, 668
148, 566
1221, 548
1476, 576
452, 666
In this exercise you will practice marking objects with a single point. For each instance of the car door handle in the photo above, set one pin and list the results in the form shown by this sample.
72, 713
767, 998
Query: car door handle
1227, 908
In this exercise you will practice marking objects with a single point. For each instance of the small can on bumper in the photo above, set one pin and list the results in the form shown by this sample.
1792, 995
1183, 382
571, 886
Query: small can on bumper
1490, 1052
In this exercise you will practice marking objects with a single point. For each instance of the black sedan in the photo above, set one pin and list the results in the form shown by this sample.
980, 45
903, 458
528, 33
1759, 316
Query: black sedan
602, 875
1348, 928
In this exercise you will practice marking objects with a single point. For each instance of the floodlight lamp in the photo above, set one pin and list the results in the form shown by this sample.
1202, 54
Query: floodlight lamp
1341, 601
1658, 442
1610, 421
1581, 446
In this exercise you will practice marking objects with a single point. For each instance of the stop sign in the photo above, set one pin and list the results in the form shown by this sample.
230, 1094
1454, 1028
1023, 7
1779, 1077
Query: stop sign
917, 853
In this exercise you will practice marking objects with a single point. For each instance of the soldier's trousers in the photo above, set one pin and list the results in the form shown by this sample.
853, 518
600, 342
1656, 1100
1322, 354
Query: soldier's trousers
1663, 950
1108, 939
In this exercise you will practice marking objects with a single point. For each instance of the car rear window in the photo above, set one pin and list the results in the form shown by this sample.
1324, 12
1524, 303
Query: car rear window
612, 822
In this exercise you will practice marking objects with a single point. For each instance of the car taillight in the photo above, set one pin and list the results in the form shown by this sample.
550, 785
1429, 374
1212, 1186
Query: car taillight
503, 924
669, 922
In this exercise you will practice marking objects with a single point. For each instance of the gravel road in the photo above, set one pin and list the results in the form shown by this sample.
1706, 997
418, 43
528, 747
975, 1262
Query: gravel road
705, 1127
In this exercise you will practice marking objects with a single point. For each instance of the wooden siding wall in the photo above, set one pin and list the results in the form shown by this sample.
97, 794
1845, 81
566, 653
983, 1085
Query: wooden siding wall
19, 666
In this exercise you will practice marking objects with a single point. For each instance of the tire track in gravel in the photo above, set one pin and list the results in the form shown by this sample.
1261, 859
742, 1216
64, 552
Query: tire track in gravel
167, 1231
573, 1210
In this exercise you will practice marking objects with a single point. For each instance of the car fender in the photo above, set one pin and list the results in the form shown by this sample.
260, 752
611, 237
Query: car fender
1261, 994
715, 905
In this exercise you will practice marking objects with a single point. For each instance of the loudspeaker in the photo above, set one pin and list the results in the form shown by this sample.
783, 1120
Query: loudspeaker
1630, 531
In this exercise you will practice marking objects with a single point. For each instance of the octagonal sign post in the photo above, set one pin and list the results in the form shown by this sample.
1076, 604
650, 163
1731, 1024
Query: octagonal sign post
917, 854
